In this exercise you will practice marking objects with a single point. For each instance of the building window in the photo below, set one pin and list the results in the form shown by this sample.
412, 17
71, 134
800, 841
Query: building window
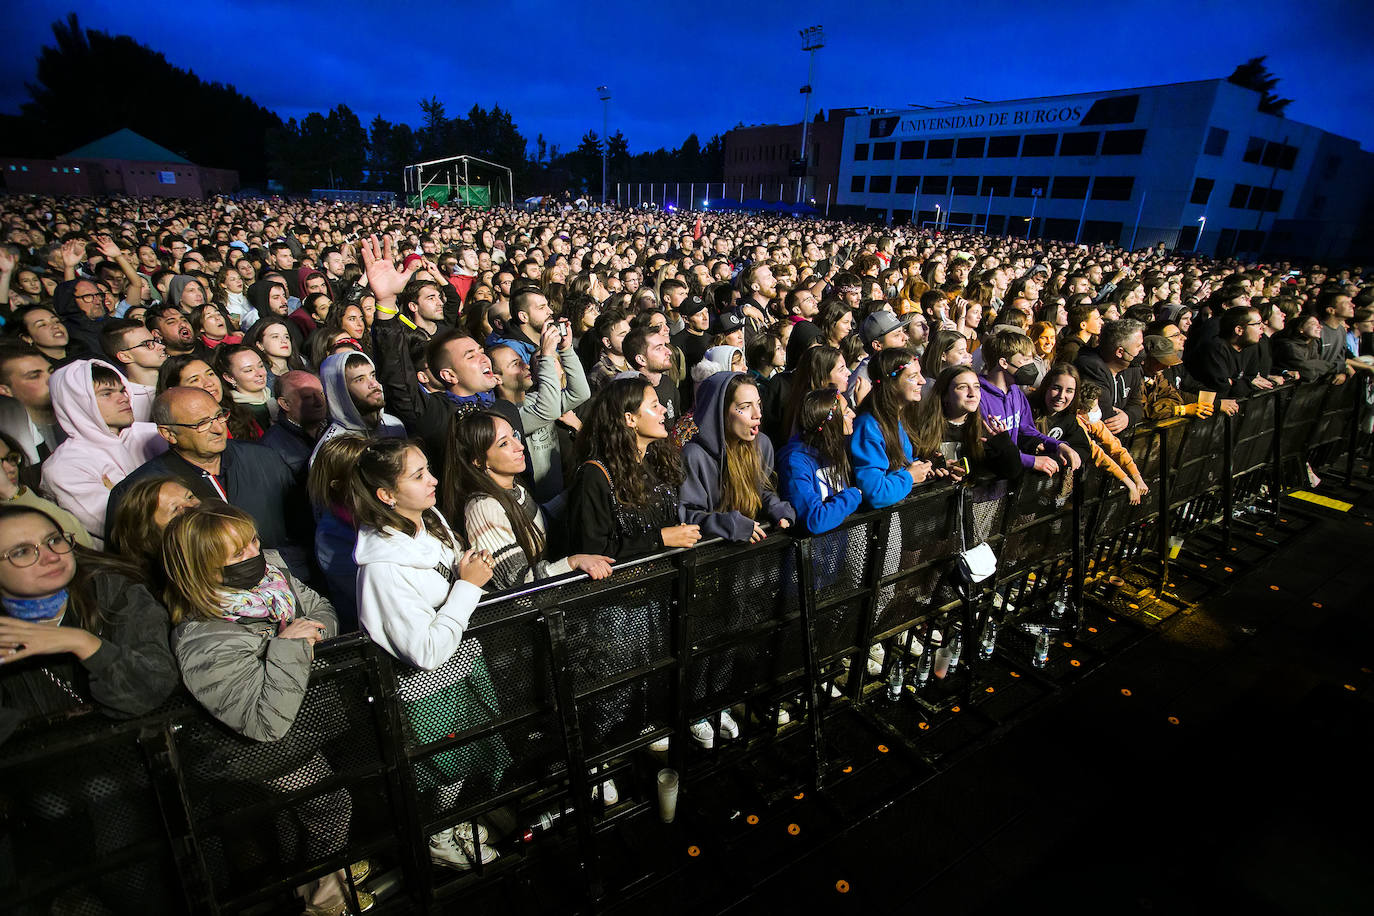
1076, 144
77, 169
885, 151
1039, 145
907, 184
940, 149
1123, 142
879, 184
1216, 141
997, 185
935, 184
1202, 191
1239, 195
964, 185
1266, 200
1118, 109
1279, 156
1003, 147
860, 152
1026, 183
856, 184
1069, 187
1254, 150
913, 149
969, 148
1113, 187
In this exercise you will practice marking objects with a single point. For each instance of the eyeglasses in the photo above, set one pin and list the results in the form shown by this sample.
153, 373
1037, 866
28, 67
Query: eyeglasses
27, 554
13, 458
89, 297
151, 343
203, 426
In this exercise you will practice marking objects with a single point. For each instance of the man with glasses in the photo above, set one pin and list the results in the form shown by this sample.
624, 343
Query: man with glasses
1220, 367
202, 457
138, 354
1115, 368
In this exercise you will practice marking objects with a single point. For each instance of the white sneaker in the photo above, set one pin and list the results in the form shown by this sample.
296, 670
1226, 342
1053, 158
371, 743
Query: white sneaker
729, 728
463, 832
447, 850
783, 716
658, 745
876, 654
703, 734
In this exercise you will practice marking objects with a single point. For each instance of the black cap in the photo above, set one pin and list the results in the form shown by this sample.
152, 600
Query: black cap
690, 306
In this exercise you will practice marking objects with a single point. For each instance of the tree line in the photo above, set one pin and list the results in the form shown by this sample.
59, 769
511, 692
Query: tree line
213, 124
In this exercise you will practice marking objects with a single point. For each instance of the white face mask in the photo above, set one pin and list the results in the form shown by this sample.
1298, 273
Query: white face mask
1095, 415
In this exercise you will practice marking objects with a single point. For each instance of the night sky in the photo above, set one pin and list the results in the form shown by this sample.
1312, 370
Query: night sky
683, 67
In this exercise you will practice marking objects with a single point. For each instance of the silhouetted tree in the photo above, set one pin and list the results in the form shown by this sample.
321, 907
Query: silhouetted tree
1253, 74
64, 111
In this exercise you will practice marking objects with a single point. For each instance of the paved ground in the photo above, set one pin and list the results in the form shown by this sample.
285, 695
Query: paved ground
1214, 759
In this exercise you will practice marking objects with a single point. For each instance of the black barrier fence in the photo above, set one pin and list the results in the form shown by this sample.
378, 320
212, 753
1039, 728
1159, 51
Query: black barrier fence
559, 688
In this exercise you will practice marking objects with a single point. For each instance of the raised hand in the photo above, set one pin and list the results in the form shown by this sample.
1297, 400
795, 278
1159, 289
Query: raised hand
73, 253
108, 249
7, 261
379, 264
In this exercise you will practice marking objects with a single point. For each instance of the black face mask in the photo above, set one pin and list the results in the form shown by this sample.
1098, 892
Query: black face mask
1139, 361
244, 574
1026, 375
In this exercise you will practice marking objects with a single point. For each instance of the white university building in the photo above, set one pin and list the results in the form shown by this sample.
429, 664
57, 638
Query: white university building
1134, 167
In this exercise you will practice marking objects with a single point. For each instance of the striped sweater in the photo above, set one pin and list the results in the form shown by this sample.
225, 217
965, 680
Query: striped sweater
489, 528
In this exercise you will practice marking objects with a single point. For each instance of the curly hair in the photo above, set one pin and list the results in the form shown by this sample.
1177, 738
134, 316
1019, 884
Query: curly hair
606, 438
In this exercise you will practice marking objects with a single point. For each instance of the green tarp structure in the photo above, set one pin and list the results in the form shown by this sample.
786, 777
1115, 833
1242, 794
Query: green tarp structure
469, 196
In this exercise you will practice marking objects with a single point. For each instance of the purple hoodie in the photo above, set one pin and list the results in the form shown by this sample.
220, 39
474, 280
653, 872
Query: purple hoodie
1013, 407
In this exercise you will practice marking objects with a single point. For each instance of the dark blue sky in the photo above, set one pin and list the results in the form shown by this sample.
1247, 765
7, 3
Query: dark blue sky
683, 67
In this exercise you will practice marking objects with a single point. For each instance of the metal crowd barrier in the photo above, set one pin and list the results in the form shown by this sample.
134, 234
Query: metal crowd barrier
560, 686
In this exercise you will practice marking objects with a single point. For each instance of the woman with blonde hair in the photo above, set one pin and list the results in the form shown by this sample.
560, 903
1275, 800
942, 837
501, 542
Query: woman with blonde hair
244, 635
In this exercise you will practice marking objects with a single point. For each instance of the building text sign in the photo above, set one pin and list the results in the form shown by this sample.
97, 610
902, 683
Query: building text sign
1028, 118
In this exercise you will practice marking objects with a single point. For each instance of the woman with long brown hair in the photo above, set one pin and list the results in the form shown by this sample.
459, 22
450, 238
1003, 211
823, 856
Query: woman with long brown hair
493, 511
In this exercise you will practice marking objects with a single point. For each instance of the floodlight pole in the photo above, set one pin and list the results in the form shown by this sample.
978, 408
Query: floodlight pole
813, 39
605, 95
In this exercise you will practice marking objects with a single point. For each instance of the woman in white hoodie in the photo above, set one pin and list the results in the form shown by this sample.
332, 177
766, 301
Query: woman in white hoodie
417, 589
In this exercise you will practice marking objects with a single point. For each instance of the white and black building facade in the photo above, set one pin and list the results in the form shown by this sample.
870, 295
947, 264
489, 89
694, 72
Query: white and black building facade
1132, 167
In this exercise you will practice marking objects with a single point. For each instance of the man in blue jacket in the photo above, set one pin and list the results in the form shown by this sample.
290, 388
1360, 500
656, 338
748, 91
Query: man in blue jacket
1007, 365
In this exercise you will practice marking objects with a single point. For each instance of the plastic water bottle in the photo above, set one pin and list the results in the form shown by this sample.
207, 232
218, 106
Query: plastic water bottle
989, 643
1042, 649
1060, 605
894, 679
956, 649
923, 667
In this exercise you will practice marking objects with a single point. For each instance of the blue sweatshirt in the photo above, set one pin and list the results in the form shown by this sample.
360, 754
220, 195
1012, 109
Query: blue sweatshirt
805, 482
1012, 406
881, 487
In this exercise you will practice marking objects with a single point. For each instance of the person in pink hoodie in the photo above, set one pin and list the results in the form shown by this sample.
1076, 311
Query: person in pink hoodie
104, 441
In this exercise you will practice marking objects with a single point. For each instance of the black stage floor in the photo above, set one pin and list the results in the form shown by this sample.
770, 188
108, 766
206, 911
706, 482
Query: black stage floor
1175, 759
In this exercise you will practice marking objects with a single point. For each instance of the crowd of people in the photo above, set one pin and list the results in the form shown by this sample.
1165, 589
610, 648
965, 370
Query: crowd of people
231, 429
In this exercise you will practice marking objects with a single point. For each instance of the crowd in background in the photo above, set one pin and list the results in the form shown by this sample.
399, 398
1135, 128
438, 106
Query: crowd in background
230, 429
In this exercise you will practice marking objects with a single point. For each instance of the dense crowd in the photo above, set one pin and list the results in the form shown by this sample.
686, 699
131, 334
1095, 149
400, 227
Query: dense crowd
235, 428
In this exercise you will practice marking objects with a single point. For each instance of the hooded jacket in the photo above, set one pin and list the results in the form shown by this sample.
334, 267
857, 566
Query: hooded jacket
1012, 406
79, 474
176, 286
703, 459
723, 356
411, 602
258, 295
344, 416
81, 328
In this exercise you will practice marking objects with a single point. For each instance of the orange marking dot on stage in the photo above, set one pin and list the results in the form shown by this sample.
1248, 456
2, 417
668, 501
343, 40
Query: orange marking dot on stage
794, 829
1173, 720
1125, 691
752, 819
842, 886
694, 851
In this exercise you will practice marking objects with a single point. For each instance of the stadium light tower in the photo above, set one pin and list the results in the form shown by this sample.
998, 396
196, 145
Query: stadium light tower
605, 95
813, 39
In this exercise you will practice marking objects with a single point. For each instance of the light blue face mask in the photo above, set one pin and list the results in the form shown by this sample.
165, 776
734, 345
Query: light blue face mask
35, 609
